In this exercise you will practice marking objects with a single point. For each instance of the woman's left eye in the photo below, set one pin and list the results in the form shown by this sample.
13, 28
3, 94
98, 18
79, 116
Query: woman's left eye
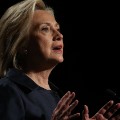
45, 29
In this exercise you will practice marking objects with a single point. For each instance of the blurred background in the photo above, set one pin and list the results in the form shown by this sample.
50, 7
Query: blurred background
91, 64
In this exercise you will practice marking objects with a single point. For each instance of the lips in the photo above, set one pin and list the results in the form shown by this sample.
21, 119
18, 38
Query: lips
58, 48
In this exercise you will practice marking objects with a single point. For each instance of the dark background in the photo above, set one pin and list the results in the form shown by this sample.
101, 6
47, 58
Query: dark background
91, 36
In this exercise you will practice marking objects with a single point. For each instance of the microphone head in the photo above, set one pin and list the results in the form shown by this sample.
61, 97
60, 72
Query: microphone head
111, 93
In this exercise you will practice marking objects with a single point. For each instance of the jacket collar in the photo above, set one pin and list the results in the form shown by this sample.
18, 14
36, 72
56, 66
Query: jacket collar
20, 78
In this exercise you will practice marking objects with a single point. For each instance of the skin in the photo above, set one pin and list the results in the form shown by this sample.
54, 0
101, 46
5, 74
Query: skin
45, 51
105, 113
65, 107
45, 48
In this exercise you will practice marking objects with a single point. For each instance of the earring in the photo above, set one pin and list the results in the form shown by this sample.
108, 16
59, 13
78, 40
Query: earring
25, 51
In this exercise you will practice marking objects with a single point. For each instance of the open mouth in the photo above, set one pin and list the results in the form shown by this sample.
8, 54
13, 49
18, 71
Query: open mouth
58, 48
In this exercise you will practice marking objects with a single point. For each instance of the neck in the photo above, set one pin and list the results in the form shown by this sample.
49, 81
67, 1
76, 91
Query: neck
40, 78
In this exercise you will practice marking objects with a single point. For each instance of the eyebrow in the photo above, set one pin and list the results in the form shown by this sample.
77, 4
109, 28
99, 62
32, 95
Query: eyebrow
57, 25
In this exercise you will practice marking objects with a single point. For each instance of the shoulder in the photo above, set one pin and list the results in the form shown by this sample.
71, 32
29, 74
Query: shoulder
6, 83
10, 100
9, 93
7, 88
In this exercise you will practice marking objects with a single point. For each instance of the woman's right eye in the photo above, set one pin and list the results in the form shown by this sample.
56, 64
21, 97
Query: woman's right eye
45, 29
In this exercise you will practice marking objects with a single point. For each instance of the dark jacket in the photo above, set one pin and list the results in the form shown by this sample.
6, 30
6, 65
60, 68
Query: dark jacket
22, 99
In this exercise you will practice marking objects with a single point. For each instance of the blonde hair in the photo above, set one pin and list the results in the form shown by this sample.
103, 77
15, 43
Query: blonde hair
14, 31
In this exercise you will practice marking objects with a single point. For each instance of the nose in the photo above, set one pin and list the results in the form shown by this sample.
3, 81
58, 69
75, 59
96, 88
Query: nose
58, 35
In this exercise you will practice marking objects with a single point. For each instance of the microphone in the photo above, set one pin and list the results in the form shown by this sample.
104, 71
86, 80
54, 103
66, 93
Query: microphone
113, 94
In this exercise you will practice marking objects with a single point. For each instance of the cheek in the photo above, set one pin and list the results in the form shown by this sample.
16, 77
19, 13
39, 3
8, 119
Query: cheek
44, 46
42, 43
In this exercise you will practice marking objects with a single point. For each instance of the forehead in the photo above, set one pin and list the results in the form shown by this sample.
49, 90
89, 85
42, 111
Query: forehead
43, 16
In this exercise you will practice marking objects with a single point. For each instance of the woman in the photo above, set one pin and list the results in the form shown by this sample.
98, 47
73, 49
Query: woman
31, 46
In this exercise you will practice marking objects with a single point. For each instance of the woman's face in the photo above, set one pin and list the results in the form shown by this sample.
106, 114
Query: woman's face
46, 41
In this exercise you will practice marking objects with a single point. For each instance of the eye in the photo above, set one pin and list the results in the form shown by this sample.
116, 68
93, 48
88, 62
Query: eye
45, 29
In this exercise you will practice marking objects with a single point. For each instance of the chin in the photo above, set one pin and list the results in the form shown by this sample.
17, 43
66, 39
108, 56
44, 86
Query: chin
60, 60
